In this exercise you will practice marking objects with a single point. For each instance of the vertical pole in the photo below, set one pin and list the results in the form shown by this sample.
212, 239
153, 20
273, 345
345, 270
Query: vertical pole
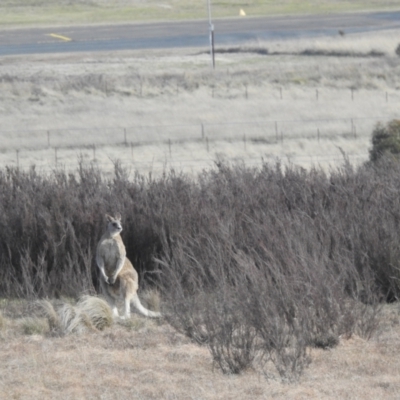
212, 47
211, 27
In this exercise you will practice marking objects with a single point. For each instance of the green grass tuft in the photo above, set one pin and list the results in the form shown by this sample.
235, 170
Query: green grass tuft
34, 326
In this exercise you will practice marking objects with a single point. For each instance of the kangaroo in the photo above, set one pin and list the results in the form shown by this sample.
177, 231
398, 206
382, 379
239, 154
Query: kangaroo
118, 277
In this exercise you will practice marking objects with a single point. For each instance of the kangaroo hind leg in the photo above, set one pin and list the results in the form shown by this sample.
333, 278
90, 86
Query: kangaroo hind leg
109, 298
129, 288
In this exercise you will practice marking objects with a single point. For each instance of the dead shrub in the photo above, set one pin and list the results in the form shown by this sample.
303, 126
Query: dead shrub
256, 264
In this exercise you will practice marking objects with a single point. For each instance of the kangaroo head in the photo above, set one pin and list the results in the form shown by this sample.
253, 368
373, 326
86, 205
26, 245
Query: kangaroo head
114, 226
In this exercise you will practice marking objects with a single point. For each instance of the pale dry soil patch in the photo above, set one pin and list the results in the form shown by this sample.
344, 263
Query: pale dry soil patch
149, 360
157, 110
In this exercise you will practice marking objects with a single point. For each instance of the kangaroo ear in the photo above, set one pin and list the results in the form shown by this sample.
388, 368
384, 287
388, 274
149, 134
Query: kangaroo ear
118, 216
109, 218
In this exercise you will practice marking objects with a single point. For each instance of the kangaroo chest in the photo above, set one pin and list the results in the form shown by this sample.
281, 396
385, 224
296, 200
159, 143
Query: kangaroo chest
111, 251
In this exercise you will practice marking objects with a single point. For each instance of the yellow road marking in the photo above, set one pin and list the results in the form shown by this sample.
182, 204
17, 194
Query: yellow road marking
66, 39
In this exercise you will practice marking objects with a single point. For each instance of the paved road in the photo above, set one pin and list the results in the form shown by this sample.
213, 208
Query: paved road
186, 33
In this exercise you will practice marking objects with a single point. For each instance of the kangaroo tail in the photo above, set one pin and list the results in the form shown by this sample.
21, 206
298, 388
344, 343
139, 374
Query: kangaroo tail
152, 314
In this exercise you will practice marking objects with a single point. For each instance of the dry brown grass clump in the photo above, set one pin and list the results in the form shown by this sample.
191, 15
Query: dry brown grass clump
89, 314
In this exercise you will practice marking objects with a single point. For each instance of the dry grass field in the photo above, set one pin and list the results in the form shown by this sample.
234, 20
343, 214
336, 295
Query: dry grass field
64, 12
144, 359
300, 101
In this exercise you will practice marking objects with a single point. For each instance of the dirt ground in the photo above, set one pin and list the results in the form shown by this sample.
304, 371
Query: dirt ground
149, 360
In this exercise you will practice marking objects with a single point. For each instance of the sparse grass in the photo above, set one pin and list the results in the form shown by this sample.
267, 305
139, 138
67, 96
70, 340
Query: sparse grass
134, 323
3, 322
22, 13
34, 326
159, 363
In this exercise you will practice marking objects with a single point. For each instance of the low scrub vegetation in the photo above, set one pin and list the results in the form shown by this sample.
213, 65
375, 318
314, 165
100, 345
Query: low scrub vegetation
259, 265
386, 141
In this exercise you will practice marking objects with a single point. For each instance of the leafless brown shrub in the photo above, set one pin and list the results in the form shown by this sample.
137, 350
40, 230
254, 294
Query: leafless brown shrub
258, 265
284, 256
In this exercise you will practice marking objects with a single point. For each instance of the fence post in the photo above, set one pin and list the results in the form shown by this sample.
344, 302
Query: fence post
140, 86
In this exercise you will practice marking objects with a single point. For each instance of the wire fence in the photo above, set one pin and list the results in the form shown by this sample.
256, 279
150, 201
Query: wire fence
270, 131
185, 144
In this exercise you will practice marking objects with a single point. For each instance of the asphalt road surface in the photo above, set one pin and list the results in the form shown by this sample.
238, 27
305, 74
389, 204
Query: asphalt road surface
162, 35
